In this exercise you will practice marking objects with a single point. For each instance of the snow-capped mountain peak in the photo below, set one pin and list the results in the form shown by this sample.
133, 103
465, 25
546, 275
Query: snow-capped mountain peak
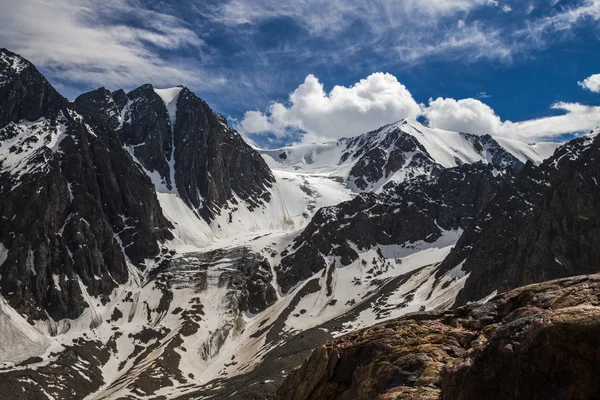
401, 151
10, 63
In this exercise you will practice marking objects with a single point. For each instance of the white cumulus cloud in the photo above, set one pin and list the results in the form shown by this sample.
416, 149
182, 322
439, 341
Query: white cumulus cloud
591, 83
344, 111
473, 116
466, 115
381, 99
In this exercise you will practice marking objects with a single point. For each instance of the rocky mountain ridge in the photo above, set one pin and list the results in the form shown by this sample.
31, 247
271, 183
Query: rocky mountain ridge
419, 210
187, 148
402, 151
58, 175
548, 219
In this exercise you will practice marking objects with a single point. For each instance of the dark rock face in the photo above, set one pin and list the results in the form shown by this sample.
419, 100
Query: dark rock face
212, 161
24, 92
101, 107
258, 292
541, 227
537, 342
485, 144
198, 156
147, 129
72, 201
374, 162
416, 210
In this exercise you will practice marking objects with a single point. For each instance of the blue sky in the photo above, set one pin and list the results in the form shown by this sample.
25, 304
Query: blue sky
311, 70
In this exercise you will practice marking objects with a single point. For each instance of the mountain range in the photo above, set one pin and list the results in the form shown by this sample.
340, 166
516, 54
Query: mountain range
148, 251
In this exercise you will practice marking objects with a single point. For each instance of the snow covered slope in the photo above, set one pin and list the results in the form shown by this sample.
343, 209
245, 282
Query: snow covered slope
169, 96
294, 198
20, 340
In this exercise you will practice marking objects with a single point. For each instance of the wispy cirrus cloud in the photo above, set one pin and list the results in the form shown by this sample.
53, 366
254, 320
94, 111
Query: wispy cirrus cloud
114, 43
322, 16
406, 31
411, 31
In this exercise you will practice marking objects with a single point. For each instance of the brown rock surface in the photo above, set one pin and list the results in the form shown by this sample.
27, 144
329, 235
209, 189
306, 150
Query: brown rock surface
535, 342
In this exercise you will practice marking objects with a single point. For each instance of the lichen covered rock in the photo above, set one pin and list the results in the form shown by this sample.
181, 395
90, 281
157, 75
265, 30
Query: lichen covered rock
536, 342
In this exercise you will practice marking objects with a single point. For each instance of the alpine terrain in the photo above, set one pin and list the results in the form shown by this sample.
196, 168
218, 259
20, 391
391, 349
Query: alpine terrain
148, 252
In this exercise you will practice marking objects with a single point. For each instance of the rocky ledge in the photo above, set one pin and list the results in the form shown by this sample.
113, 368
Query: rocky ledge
535, 342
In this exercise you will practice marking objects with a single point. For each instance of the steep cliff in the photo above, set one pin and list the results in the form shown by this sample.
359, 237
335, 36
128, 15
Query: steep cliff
73, 204
543, 226
186, 147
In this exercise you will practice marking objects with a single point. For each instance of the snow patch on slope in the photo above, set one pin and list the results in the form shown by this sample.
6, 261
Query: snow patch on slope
191, 232
19, 142
20, 340
155, 177
316, 158
536, 152
15, 63
445, 147
3, 254
170, 97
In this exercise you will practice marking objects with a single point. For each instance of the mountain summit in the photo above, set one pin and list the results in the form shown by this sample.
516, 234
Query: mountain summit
402, 151
183, 145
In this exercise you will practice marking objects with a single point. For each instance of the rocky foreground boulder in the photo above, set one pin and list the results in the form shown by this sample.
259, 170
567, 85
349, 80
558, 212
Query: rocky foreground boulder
535, 342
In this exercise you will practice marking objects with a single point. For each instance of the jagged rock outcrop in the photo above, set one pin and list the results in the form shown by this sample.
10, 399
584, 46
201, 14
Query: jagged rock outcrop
421, 209
195, 154
102, 106
536, 342
257, 288
73, 203
543, 226
24, 92
375, 161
